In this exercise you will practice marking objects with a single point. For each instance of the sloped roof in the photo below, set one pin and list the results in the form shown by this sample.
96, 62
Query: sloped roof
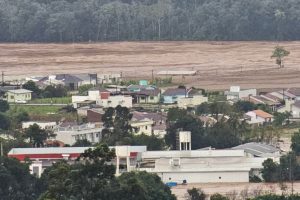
257, 149
20, 91
262, 114
176, 91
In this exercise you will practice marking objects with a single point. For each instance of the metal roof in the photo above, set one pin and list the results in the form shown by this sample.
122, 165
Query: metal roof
257, 149
20, 91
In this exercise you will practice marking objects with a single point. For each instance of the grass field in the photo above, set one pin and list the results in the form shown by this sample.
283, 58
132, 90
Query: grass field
62, 100
219, 64
44, 113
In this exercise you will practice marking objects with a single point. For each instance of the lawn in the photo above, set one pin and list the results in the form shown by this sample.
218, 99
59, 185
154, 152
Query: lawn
44, 113
60, 100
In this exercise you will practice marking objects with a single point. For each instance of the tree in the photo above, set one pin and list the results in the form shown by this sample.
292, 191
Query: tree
4, 106
82, 143
16, 181
37, 136
117, 129
83, 89
281, 118
196, 194
270, 171
4, 122
152, 142
218, 196
296, 142
143, 185
30, 85
50, 91
279, 53
244, 106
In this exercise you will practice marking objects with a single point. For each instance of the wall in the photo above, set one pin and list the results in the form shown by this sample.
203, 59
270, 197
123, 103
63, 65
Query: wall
114, 101
12, 97
205, 177
295, 112
42, 125
143, 127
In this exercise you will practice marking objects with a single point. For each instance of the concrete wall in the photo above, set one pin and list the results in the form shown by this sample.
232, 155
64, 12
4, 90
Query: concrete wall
143, 127
205, 177
42, 125
114, 101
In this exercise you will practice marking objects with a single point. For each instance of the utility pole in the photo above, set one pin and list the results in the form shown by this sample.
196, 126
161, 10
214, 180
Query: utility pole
291, 177
152, 77
1, 148
2, 74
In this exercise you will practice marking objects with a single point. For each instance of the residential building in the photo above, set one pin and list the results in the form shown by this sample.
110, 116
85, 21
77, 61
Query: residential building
72, 81
258, 117
295, 109
149, 123
114, 101
69, 134
254, 149
18, 95
171, 95
109, 78
94, 115
42, 125
144, 94
235, 93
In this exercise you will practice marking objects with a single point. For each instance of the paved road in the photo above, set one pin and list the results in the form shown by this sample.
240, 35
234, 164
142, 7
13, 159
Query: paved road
41, 104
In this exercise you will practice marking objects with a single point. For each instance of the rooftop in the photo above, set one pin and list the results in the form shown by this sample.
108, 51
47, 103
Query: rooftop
257, 149
20, 91
176, 91
262, 114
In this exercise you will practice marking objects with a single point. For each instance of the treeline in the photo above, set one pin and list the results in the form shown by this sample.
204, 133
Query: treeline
119, 20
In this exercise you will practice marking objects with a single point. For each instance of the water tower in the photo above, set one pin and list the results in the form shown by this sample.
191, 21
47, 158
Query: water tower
184, 141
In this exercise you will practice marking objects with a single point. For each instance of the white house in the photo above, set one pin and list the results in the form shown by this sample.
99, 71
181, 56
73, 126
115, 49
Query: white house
235, 93
15, 96
70, 134
114, 101
259, 117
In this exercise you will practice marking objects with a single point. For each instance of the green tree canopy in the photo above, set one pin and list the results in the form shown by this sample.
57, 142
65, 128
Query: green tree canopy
279, 53
4, 106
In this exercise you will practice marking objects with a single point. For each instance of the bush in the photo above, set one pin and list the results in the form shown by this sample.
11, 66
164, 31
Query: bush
196, 194
218, 196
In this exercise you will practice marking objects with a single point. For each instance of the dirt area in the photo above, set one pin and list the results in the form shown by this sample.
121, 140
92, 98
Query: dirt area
219, 64
241, 190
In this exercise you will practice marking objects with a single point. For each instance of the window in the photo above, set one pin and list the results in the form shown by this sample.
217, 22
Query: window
151, 98
12, 97
142, 98
146, 127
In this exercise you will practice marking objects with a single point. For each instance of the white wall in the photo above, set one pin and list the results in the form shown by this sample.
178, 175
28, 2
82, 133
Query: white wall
194, 101
114, 101
42, 125
205, 177
94, 95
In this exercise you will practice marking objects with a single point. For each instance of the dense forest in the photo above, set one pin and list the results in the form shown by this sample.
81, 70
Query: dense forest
119, 20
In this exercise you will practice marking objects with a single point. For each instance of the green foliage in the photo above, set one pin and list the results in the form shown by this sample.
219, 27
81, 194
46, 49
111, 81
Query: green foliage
143, 185
277, 197
37, 136
82, 143
51, 91
16, 182
83, 89
30, 85
152, 142
218, 196
4, 122
281, 118
196, 194
83, 21
244, 106
92, 177
270, 171
296, 142
117, 129
4, 106
279, 53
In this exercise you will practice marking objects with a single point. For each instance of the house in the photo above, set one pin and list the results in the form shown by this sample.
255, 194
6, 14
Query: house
259, 117
72, 81
171, 95
18, 95
109, 78
69, 134
235, 93
149, 123
144, 94
295, 109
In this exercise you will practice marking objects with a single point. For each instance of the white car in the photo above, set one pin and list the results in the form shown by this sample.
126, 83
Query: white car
20, 101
